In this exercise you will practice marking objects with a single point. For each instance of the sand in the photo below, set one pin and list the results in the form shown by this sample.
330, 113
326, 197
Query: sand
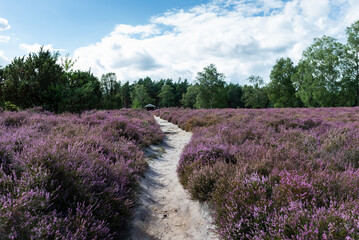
165, 210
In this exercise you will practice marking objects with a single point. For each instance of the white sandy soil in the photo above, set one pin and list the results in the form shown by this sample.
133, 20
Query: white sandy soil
165, 209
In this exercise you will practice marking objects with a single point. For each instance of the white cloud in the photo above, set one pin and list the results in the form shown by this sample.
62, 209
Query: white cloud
3, 60
4, 24
240, 37
4, 39
36, 47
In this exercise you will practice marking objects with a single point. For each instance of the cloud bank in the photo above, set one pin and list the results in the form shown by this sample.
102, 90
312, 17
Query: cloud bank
241, 37
36, 47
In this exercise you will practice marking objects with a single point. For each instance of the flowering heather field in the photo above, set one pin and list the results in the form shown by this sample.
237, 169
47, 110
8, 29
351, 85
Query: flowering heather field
276, 173
69, 176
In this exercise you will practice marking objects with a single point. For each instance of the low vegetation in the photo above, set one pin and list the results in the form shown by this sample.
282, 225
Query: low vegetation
275, 173
71, 176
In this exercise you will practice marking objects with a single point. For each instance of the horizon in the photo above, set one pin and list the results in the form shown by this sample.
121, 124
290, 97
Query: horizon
172, 39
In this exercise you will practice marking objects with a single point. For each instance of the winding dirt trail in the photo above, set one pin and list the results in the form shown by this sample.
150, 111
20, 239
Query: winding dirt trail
166, 210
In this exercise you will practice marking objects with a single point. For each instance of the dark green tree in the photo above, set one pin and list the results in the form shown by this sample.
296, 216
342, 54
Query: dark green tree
111, 91
180, 87
34, 80
126, 95
152, 88
189, 98
166, 96
255, 96
211, 92
280, 89
140, 97
350, 83
82, 92
324, 56
303, 82
234, 96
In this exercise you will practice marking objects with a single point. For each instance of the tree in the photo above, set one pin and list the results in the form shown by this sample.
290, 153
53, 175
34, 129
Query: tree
166, 96
351, 65
68, 63
111, 91
34, 80
82, 92
140, 96
255, 96
324, 56
2, 79
152, 88
180, 88
303, 82
234, 95
189, 98
281, 91
211, 93
125, 94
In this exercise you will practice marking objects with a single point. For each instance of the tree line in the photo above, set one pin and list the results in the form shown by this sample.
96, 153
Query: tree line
326, 76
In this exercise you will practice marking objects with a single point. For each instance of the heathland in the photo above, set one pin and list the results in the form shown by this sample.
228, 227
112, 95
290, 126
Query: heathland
274, 173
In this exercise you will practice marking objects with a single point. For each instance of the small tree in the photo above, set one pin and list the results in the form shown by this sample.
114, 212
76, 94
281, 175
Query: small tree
189, 98
324, 57
211, 92
140, 96
280, 90
255, 96
351, 64
166, 96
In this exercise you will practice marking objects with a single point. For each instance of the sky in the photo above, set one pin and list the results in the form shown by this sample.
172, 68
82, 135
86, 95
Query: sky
172, 38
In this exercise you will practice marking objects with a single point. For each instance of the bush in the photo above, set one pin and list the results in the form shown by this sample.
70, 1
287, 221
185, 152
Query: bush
274, 173
69, 176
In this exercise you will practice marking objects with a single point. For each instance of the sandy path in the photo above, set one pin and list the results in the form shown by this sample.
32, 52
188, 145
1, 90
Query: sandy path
166, 210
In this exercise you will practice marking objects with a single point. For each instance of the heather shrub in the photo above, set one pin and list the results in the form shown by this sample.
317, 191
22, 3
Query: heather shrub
205, 121
14, 119
197, 157
241, 206
71, 176
284, 173
202, 182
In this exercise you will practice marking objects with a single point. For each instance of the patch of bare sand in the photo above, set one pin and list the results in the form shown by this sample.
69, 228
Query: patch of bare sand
165, 209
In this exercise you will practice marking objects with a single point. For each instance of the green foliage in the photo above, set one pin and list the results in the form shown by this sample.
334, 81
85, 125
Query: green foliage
10, 107
280, 90
255, 96
303, 81
32, 81
350, 83
326, 76
324, 55
68, 63
166, 96
140, 96
234, 96
189, 98
82, 92
111, 92
211, 92
180, 88
125, 95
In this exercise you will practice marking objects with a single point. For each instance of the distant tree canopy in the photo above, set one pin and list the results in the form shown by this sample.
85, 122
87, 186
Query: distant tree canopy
280, 90
327, 75
211, 91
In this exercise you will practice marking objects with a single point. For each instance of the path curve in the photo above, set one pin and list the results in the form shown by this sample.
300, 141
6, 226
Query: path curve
165, 209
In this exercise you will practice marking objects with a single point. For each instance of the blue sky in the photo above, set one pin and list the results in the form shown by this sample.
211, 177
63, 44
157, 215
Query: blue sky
69, 24
172, 38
